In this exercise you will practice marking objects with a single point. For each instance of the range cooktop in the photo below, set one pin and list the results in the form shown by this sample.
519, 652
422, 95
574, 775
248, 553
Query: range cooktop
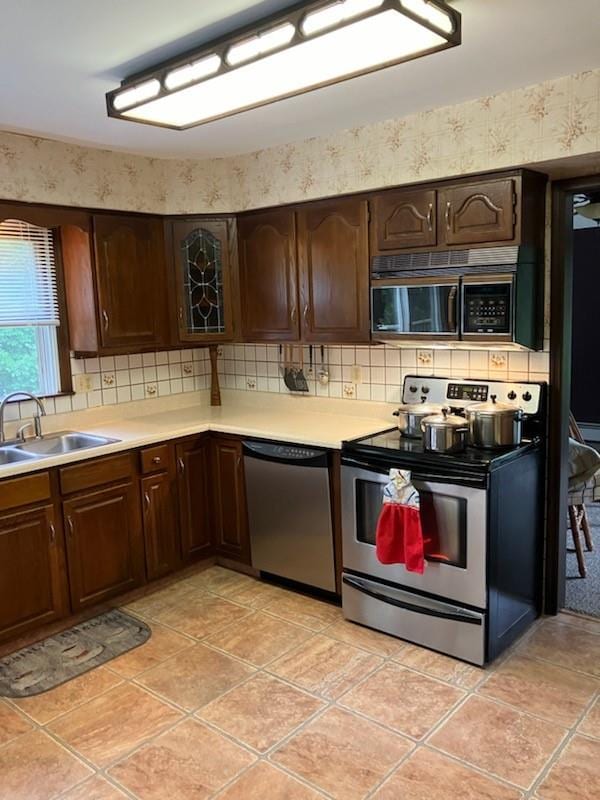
388, 449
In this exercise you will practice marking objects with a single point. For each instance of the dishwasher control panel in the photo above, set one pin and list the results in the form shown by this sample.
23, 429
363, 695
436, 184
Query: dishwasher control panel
282, 451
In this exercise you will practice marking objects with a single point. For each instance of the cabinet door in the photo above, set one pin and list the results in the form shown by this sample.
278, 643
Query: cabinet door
161, 525
268, 276
203, 278
33, 586
404, 219
195, 507
334, 271
478, 212
230, 513
104, 544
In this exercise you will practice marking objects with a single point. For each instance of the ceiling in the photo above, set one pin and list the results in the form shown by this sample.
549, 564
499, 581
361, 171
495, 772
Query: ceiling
58, 59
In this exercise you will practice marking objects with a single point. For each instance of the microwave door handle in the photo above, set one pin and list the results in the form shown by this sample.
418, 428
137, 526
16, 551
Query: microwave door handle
452, 298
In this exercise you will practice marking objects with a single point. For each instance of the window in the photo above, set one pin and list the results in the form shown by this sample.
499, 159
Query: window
29, 310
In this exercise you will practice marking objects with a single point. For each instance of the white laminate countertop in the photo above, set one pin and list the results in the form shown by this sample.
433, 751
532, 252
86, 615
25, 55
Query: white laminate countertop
309, 421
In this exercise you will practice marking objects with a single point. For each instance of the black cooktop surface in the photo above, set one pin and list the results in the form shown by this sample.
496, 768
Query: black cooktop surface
389, 446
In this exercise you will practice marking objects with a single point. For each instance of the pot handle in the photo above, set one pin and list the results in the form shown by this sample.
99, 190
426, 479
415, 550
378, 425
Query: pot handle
395, 413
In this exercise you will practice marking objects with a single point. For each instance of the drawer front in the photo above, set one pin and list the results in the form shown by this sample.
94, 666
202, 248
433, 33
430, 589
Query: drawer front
24, 491
88, 474
155, 459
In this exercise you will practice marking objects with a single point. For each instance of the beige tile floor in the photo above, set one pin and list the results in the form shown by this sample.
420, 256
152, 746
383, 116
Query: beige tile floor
249, 692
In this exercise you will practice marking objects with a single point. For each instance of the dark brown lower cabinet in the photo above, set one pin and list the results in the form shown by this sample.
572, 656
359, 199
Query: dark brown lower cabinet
33, 589
195, 506
105, 548
161, 524
230, 515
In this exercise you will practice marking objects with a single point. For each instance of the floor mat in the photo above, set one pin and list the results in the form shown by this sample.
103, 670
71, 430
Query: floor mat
66, 655
583, 594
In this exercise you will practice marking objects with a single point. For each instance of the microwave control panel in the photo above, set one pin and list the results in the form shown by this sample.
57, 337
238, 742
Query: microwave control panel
487, 308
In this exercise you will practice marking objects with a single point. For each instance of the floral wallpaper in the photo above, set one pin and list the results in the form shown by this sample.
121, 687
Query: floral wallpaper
550, 120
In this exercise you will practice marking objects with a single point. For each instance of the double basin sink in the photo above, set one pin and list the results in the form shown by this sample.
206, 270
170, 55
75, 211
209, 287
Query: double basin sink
54, 444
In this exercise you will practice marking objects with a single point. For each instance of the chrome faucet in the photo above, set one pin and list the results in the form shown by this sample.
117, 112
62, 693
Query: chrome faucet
37, 419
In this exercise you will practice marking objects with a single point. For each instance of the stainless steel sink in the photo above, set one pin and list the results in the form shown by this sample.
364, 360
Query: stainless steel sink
10, 455
54, 444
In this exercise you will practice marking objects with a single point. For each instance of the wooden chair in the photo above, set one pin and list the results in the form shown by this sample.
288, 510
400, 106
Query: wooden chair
578, 518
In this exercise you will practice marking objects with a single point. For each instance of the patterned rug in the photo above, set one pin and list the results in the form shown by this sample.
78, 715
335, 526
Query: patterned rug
59, 658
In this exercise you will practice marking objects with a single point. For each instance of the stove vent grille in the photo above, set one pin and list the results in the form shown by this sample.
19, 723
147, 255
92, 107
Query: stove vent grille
467, 261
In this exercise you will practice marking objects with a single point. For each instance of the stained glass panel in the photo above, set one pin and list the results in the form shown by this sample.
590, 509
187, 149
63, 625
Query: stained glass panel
201, 261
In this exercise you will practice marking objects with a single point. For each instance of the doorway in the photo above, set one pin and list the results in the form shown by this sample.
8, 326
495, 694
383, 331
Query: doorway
573, 542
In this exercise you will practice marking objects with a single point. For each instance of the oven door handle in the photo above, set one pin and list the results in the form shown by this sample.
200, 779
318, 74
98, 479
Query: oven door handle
456, 616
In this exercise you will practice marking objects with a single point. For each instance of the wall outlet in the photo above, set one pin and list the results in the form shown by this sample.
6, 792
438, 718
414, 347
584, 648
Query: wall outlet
356, 374
82, 383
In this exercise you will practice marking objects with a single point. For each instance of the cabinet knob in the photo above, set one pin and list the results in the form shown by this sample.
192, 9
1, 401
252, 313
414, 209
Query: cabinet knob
52, 532
305, 313
181, 464
70, 527
105, 318
293, 314
147, 501
156, 459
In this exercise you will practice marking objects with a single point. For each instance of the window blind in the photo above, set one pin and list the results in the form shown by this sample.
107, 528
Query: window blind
28, 294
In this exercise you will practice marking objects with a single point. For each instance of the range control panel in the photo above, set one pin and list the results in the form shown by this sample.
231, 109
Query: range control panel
475, 392
461, 393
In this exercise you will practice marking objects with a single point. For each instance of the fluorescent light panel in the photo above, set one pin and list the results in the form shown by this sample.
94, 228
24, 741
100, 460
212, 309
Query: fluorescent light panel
328, 43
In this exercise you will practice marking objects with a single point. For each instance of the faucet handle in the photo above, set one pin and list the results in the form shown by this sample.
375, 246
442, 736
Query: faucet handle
21, 431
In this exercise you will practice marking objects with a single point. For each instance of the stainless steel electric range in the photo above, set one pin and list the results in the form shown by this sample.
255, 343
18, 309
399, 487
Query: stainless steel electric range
483, 510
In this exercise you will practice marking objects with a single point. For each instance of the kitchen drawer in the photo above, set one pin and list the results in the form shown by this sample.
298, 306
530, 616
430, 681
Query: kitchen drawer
24, 491
88, 474
155, 459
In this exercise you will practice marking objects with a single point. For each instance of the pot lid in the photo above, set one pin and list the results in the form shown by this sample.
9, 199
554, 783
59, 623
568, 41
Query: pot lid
420, 408
492, 406
445, 420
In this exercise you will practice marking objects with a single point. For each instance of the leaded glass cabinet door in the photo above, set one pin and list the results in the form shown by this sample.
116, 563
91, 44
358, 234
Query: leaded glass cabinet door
201, 255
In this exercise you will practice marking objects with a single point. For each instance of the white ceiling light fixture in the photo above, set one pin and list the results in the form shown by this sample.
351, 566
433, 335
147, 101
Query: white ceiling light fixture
312, 45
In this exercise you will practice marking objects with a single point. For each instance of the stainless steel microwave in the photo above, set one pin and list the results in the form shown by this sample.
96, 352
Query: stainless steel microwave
469, 301
415, 307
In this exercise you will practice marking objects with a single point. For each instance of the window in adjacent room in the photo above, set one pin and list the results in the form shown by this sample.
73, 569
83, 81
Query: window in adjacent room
30, 333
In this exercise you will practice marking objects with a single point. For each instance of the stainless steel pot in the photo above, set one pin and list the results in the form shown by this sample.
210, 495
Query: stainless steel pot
444, 433
493, 424
410, 416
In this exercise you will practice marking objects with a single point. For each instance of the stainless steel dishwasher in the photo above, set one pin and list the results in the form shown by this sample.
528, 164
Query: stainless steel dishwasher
289, 512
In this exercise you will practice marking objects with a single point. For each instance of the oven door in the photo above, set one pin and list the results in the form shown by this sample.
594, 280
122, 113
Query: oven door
454, 523
414, 308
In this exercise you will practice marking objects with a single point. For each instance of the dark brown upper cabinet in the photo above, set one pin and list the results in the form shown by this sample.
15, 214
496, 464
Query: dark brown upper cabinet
268, 276
478, 212
116, 287
202, 267
498, 209
333, 260
404, 219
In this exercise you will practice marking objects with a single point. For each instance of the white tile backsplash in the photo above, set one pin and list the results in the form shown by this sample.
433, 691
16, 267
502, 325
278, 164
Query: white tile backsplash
382, 368
121, 379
